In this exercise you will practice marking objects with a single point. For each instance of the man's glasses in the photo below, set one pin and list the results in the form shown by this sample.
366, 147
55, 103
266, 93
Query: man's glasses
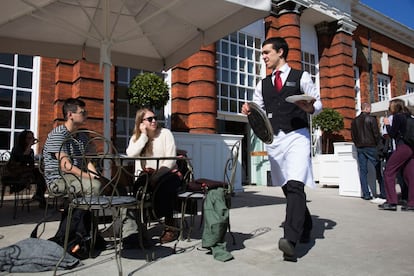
82, 112
150, 119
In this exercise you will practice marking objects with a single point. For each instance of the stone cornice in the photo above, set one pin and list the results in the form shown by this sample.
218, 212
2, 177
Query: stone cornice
380, 23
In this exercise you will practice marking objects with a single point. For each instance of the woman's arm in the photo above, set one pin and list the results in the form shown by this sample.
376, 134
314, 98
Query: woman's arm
135, 146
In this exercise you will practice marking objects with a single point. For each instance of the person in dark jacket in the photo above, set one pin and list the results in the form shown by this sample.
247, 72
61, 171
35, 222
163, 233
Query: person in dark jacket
22, 156
366, 137
401, 158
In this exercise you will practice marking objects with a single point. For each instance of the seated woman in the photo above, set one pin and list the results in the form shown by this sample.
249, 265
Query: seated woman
151, 140
22, 163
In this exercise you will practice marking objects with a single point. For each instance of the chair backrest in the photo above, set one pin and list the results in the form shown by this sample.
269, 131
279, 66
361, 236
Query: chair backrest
5, 156
230, 167
84, 147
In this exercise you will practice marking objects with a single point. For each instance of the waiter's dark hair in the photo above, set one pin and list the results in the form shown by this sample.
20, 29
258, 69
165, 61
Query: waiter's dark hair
278, 43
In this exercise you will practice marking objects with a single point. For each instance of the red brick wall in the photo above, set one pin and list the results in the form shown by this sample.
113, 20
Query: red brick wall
194, 107
61, 79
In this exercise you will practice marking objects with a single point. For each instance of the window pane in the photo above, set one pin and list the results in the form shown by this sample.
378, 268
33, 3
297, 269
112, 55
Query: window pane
120, 127
6, 76
234, 77
233, 51
233, 64
225, 47
122, 109
250, 67
242, 79
24, 79
233, 106
224, 61
6, 97
7, 59
224, 91
22, 120
225, 75
242, 52
4, 140
224, 105
122, 74
249, 41
233, 92
250, 81
23, 99
25, 61
5, 118
122, 92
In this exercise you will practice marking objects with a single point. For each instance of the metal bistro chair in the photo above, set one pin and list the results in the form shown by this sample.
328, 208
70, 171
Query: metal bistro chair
102, 153
197, 189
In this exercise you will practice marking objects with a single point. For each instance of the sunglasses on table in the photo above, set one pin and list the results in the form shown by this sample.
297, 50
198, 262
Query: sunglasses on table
150, 119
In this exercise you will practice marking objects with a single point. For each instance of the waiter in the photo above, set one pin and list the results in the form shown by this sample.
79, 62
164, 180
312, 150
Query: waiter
289, 153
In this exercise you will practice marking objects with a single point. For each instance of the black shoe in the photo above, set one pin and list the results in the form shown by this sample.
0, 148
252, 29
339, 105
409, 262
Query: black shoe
367, 197
388, 206
288, 249
407, 208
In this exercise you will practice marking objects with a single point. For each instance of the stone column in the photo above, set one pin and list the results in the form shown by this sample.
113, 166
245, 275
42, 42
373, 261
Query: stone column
194, 96
336, 69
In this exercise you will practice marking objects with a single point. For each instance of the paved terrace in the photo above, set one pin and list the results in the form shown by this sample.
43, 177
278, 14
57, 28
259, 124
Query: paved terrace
351, 237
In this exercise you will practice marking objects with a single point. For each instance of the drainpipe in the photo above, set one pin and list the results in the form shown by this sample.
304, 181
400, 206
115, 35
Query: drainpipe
371, 84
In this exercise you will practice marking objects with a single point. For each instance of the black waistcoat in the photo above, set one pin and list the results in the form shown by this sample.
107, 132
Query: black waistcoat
285, 116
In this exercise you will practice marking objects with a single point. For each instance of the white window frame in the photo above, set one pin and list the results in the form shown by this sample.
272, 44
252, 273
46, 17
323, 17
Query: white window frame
409, 88
34, 90
357, 89
384, 87
240, 82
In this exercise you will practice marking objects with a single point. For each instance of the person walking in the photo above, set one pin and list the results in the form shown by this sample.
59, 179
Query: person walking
401, 159
366, 137
289, 153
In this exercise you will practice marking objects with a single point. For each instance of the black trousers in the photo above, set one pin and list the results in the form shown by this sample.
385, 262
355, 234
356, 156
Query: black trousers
298, 220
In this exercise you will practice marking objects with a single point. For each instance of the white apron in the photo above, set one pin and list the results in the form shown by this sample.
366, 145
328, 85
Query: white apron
289, 157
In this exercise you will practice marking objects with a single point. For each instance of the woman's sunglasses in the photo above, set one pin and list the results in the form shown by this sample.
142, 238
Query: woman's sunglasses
150, 119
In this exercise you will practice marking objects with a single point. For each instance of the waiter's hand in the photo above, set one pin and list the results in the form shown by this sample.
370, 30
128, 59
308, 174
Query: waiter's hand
245, 109
306, 106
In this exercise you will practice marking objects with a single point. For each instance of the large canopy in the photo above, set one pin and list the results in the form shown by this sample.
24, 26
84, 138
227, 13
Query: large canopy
145, 34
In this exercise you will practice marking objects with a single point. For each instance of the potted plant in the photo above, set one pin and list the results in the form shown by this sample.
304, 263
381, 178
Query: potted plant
329, 121
148, 90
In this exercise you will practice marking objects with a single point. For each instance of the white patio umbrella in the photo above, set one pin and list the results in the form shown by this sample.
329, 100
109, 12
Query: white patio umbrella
146, 34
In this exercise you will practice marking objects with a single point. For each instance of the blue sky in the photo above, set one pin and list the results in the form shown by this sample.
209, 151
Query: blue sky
399, 10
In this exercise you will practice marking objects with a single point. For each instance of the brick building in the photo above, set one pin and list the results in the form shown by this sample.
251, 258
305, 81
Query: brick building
354, 54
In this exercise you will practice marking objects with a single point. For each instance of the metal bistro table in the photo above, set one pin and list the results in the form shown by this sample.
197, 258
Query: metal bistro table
121, 160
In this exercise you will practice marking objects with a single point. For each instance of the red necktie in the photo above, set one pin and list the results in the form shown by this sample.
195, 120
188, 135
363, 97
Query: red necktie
278, 81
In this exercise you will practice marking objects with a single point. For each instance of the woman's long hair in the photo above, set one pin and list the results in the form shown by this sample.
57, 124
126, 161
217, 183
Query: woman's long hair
139, 116
398, 106
22, 143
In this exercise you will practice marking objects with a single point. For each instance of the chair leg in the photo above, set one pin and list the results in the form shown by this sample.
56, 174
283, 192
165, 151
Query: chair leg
116, 213
3, 190
65, 244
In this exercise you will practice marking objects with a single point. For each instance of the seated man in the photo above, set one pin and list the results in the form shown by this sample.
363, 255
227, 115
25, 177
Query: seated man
75, 115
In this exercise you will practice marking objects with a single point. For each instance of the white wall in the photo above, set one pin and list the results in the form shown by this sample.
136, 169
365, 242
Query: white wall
209, 153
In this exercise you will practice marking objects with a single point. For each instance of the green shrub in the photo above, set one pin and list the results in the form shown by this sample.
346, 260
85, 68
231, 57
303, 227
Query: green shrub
148, 90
